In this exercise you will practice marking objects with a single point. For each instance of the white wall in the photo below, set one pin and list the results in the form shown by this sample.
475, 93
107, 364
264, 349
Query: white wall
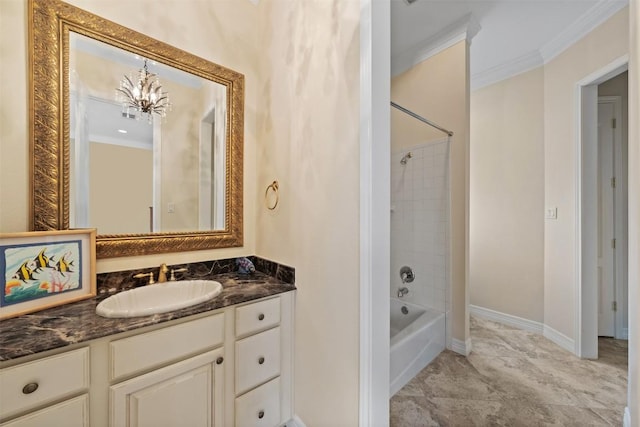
420, 223
599, 48
507, 196
634, 216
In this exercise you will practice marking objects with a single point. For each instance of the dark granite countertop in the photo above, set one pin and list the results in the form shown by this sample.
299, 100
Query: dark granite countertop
78, 322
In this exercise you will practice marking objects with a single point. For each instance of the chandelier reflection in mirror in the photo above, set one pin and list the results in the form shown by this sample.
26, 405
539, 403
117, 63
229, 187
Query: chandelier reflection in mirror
145, 95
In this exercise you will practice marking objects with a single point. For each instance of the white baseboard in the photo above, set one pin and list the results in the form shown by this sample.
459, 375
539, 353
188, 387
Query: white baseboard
525, 324
294, 422
507, 319
461, 347
627, 417
560, 339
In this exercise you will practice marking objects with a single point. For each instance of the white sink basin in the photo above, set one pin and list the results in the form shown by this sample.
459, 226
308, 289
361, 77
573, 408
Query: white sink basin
158, 298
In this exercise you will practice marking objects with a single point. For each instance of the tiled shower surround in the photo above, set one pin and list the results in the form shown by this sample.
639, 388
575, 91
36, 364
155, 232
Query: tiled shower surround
420, 223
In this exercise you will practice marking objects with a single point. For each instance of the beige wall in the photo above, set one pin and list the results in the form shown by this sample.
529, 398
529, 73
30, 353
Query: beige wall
438, 89
223, 32
506, 270
434, 89
309, 142
599, 48
14, 148
507, 196
107, 197
180, 136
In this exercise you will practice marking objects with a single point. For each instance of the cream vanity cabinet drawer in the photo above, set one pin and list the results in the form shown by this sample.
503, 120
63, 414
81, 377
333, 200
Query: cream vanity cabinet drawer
70, 413
257, 359
257, 316
141, 352
260, 407
45, 380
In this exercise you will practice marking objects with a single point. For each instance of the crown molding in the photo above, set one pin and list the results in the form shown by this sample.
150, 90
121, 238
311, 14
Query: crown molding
586, 23
506, 70
592, 18
463, 29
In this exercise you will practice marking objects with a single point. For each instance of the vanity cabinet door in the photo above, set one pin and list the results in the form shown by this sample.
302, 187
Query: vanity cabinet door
188, 393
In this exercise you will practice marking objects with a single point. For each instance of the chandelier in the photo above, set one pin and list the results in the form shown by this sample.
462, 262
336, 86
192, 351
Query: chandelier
145, 95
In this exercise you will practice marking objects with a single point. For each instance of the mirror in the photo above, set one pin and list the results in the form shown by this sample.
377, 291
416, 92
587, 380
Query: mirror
149, 184
170, 170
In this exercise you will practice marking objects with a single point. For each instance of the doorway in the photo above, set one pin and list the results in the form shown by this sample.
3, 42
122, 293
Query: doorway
613, 159
601, 212
612, 209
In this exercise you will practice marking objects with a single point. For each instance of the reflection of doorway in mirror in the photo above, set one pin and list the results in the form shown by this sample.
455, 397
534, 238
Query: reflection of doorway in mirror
211, 197
111, 167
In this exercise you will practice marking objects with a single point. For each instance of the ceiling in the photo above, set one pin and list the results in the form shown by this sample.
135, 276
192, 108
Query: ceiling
528, 32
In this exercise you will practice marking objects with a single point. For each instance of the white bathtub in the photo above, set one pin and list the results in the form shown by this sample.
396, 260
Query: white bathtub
416, 339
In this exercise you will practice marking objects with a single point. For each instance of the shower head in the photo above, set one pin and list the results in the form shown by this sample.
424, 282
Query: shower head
405, 158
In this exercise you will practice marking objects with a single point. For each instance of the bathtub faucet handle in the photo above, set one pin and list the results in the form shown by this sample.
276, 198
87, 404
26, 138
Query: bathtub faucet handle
406, 274
402, 292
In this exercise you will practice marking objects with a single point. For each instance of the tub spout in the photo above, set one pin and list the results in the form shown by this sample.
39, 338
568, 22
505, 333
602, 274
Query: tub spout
402, 292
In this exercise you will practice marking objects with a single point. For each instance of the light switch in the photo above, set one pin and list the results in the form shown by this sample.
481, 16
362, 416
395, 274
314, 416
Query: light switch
171, 207
552, 213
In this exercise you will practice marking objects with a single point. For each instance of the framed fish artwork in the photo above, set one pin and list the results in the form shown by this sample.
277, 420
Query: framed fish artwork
43, 269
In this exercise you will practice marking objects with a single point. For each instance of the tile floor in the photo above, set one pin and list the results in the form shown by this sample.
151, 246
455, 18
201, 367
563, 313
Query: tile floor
515, 378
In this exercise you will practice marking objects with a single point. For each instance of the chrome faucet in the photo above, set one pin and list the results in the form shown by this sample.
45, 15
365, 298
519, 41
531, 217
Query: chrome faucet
402, 292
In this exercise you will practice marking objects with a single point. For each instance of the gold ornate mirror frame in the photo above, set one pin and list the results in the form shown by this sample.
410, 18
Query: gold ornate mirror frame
50, 22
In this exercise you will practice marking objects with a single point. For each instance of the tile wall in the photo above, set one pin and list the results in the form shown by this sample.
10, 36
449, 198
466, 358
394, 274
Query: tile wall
420, 223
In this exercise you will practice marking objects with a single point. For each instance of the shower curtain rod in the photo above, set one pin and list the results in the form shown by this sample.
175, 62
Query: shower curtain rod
422, 119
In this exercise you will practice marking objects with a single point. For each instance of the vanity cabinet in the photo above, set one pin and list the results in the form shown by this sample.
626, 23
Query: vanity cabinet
229, 367
40, 388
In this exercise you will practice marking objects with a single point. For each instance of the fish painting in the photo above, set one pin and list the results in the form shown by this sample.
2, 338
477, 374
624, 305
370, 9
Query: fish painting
42, 261
25, 272
64, 266
32, 271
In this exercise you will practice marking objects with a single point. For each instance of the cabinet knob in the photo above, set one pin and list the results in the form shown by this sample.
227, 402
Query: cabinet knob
261, 414
219, 360
261, 360
30, 388
260, 316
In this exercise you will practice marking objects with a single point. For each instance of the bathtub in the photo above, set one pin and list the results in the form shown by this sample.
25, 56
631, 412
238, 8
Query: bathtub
416, 339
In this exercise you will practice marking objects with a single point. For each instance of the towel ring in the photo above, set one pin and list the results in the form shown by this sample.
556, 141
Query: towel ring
273, 187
